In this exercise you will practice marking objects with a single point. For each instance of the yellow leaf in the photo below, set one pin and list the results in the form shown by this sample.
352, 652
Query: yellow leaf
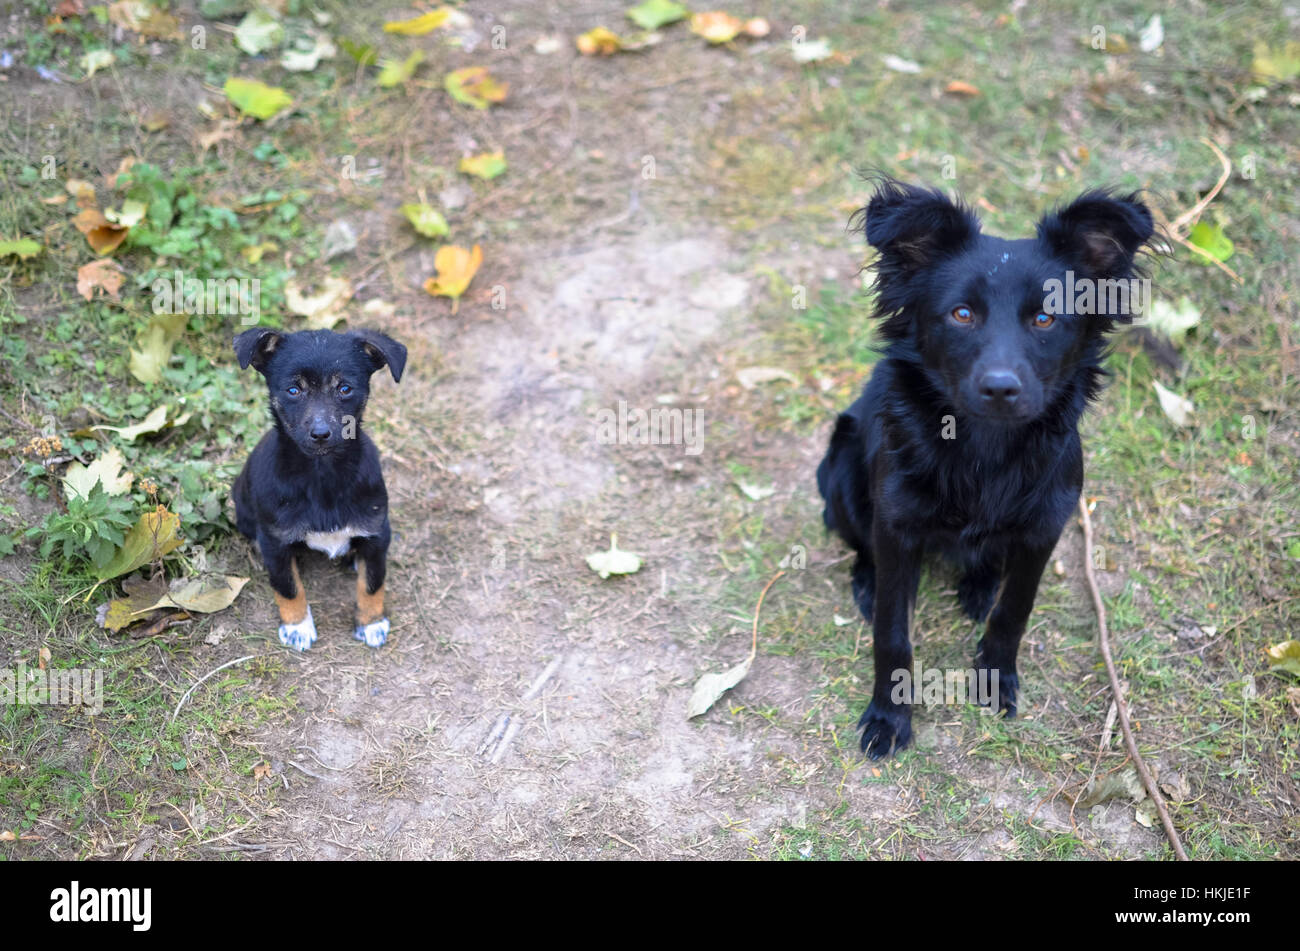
155, 535
154, 422
456, 268
83, 192
599, 42
716, 27
487, 166
396, 71
253, 253
418, 26
475, 86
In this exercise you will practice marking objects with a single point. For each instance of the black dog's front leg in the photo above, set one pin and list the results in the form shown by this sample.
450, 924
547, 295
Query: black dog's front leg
996, 652
887, 724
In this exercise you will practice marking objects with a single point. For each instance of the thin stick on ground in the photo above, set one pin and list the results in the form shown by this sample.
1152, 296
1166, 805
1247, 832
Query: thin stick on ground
1147, 780
753, 647
196, 683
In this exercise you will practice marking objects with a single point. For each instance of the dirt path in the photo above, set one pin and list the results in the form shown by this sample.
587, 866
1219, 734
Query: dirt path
524, 708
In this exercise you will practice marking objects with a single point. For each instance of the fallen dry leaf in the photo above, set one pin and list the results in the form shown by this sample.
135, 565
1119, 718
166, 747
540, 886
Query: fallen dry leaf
105, 471
83, 192
102, 235
322, 309
716, 26
140, 16
222, 131
475, 86
103, 274
959, 88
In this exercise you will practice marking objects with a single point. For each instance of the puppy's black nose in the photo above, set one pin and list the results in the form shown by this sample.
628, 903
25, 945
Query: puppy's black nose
320, 432
999, 386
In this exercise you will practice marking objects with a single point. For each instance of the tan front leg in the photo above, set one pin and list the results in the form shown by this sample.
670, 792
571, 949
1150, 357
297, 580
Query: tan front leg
293, 610
297, 629
370, 607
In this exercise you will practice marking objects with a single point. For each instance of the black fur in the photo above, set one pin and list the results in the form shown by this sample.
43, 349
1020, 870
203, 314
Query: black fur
965, 440
315, 471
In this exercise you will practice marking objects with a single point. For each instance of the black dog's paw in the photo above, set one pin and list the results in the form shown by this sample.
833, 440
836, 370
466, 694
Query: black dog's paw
885, 731
864, 590
996, 684
976, 594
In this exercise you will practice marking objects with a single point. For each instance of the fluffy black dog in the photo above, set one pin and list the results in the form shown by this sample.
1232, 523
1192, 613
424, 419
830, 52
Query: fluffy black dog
314, 480
966, 440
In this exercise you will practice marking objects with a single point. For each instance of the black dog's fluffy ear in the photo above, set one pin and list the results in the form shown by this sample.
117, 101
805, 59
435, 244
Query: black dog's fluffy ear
255, 346
383, 350
915, 226
1103, 233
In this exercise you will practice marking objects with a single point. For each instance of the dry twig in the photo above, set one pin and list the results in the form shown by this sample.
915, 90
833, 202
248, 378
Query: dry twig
1120, 705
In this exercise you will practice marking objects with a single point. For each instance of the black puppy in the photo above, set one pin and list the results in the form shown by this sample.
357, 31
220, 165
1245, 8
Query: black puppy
314, 480
966, 440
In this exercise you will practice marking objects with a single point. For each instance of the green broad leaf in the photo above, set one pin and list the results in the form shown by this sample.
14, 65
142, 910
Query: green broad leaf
653, 14
1278, 65
395, 71
426, 220
1211, 239
156, 534
486, 166
23, 247
256, 99
1285, 656
363, 54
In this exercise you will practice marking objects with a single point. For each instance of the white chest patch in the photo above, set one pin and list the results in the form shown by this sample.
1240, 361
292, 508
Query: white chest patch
333, 543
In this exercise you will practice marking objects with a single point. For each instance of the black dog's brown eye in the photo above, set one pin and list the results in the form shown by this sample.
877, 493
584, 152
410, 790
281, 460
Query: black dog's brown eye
293, 391
345, 390
962, 314
1044, 320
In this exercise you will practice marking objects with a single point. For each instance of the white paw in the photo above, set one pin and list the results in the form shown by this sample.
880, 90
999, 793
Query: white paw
299, 636
374, 634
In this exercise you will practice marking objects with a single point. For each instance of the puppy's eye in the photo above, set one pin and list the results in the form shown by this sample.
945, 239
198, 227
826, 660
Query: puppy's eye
293, 391
1042, 321
345, 390
963, 314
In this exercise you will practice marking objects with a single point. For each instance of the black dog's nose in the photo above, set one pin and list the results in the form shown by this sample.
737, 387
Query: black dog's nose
999, 386
320, 432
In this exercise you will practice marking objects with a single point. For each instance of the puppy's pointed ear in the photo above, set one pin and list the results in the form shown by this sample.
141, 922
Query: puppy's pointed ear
255, 346
1100, 232
383, 350
915, 226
